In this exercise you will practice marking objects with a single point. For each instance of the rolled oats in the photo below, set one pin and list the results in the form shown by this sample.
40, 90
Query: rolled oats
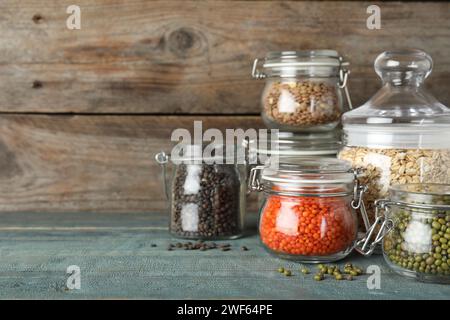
382, 168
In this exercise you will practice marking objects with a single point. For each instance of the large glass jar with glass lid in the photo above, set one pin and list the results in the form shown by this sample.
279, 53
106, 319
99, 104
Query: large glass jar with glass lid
308, 212
302, 90
402, 134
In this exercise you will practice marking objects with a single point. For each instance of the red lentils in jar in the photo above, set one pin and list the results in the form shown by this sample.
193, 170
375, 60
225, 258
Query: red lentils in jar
308, 213
310, 226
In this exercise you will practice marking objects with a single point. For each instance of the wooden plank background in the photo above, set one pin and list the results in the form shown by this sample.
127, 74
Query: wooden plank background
83, 111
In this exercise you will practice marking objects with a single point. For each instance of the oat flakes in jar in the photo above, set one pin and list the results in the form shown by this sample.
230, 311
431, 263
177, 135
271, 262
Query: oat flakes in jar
402, 134
303, 90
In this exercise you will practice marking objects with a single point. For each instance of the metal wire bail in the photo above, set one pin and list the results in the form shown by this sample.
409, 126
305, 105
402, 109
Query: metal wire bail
343, 80
358, 199
255, 72
358, 191
254, 184
162, 158
366, 246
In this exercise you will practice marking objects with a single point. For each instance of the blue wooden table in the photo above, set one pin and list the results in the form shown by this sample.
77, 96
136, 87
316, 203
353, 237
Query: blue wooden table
117, 260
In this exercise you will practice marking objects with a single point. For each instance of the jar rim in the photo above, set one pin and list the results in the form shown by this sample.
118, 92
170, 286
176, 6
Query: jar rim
307, 170
309, 194
292, 144
398, 135
303, 58
428, 189
421, 196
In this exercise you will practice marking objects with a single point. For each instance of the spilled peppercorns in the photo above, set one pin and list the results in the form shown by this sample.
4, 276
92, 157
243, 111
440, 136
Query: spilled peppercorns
348, 273
201, 246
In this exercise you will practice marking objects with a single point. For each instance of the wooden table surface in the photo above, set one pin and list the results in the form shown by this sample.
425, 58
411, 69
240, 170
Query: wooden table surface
116, 260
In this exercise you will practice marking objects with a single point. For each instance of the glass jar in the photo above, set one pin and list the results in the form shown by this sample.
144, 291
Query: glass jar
302, 90
401, 135
206, 195
415, 231
308, 214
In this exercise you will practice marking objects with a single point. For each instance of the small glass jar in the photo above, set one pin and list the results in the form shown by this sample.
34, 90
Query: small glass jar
415, 231
207, 197
401, 135
308, 214
303, 90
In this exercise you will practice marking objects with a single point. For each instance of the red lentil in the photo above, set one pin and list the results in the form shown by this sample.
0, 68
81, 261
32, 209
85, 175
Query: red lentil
310, 226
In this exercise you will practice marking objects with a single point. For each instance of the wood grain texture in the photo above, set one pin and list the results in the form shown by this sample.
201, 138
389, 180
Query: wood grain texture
193, 57
117, 261
89, 163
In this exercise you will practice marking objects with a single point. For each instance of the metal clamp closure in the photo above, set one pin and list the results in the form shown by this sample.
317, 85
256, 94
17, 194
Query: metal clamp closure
367, 244
358, 199
254, 183
358, 192
255, 72
162, 158
343, 79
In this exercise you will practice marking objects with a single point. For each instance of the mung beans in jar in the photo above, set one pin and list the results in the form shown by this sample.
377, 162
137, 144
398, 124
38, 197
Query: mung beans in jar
416, 239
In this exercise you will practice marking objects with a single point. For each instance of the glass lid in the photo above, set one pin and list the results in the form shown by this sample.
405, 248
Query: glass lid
296, 144
307, 170
402, 106
299, 58
421, 193
317, 63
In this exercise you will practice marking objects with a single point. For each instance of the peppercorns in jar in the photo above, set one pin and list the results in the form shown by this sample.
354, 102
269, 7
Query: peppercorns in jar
207, 196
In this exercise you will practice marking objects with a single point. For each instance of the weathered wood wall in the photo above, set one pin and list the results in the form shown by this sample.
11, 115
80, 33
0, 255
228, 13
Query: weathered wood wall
83, 111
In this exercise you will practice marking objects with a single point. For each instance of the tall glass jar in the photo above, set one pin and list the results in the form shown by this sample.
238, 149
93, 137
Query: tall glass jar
401, 135
303, 90
415, 231
207, 196
308, 213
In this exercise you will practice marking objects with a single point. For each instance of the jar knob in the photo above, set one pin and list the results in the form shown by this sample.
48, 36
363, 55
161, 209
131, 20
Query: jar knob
403, 66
